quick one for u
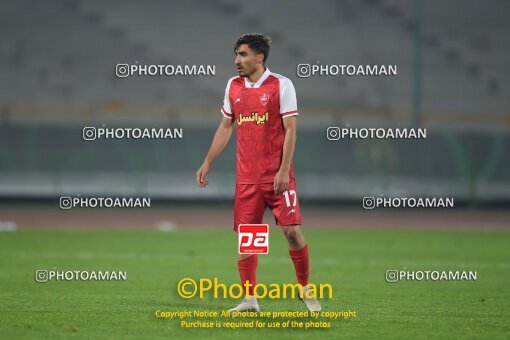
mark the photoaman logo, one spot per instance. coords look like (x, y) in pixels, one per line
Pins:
(253, 239)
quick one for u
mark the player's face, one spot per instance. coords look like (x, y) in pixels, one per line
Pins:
(247, 61)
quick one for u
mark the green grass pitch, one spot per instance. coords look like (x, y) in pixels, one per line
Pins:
(353, 261)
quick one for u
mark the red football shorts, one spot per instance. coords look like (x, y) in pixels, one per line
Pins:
(251, 201)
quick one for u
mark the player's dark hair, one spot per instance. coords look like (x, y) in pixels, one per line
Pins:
(257, 42)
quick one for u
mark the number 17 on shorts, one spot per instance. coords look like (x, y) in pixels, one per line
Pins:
(253, 239)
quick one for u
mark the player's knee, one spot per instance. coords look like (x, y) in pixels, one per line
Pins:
(292, 235)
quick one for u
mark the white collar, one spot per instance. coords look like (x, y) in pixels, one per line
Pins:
(259, 82)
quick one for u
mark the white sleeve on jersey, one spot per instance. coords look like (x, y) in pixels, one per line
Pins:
(288, 101)
(226, 109)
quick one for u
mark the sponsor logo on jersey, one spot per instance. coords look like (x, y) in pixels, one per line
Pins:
(254, 117)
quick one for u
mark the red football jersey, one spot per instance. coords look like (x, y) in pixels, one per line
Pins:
(258, 110)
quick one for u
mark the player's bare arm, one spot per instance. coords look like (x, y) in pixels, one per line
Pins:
(220, 140)
(281, 180)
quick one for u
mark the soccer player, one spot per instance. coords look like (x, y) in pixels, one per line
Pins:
(263, 106)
